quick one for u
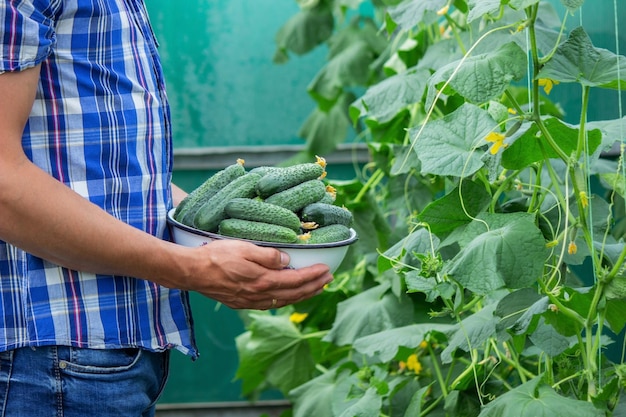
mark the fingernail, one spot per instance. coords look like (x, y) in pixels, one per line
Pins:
(284, 259)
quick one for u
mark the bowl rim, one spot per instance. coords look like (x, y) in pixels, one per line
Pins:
(175, 223)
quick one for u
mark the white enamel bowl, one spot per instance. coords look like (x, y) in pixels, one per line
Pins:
(301, 255)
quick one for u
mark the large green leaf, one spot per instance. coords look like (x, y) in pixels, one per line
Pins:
(537, 399)
(323, 131)
(408, 14)
(510, 252)
(522, 4)
(385, 99)
(273, 350)
(448, 146)
(456, 208)
(578, 61)
(549, 340)
(531, 147)
(512, 307)
(386, 344)
(482, 77)
(348, 68)
(479, 8)
(367, 405)
(367, 313)
(471, 333)
(304, 31)
(315, 397)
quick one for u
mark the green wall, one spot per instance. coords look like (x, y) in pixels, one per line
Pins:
(223, 87)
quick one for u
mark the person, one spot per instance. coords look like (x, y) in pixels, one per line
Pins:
(93, 294)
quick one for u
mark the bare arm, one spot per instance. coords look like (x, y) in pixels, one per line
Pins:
(46, 218)
(178, 194)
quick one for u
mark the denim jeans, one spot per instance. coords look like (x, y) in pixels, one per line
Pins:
(60, 381)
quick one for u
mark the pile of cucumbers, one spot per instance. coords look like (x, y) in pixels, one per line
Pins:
(269, 204)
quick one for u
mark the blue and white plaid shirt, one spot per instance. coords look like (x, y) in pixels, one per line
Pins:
(100, 125)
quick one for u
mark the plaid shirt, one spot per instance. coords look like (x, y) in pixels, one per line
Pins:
(100, 125)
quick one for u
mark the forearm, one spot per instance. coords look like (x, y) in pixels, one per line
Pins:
(49, 220)
(178, 194)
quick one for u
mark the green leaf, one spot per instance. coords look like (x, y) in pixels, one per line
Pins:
(530, 145)
(348, 68)
(616, 314)
(456, 208)
(315, 397)
(511, 308)
(572, 5)
(386, 344)
(323, 131)
(471, 333)
(273, 349)
(408, 14)
(417, 242)
(305, 30)
(551, 342)
(479, 8)
(368, 405)
(367, 313)
(510, 252)
(415, 406)
(482, 77)
(447, 146)
(536, 398)
(522, 4)
(578, 61)
(579, 300)
(384, 100)
(616, 182)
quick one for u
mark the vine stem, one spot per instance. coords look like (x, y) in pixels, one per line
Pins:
(371, 183)
(440, 379)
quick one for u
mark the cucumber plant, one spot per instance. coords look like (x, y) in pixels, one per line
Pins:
(489, 275)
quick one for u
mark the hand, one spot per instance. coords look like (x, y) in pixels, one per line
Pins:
(242, 275)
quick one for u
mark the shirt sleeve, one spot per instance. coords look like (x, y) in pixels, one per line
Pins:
(26, 33)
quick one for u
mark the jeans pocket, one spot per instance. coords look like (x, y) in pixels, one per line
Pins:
(98, 361)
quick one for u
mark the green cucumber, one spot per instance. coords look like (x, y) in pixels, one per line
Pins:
(259, 231)
(325, 214)
(211, 213)
(329, 196)
(329, 234)
(299, 196)
(280, 180)
(264, 170)
(261, 211)
(186, 210)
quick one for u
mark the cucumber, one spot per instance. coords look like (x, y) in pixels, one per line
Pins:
(211, 213)
(261, 211)
(325, 214)
(264, 170)
(329, 234)
(186, 210)
(276, 181)
(299, 196)
(330, 196)
(259, 231)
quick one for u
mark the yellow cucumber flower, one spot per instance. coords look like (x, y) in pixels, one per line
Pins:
(298, 318)
(413, 364)
(572, 248)
(584, 199)
(547, 84)
(498, 142)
